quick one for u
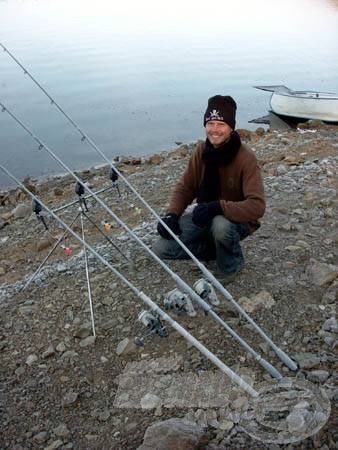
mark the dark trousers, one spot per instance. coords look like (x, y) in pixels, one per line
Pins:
(220, 240)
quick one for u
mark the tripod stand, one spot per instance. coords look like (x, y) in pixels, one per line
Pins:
(82, 214)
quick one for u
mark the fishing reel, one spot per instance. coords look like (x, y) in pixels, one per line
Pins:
(206, 291)
(37, 208)
(152, 321)
(179, 302)
(79, 190)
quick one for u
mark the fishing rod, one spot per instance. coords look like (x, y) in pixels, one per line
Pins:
(178, 280)
(84, 137)
(146, 299)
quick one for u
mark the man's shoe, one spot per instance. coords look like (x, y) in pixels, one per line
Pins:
(226, 278)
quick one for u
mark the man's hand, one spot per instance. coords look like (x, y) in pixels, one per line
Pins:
(171, 220)
(205, 212)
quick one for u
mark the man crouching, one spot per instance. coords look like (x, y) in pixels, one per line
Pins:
(224, 178)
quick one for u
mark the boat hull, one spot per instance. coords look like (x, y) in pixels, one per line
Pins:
(306, 106)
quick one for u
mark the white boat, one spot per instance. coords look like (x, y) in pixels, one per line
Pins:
(303, 104)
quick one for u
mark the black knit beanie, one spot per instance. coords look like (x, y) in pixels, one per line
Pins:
(222, 108)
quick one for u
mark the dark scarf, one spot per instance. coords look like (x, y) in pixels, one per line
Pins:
(213, 158)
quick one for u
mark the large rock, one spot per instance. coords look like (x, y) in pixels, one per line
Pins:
(174, 434)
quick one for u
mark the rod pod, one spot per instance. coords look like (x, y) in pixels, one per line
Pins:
(155, 308)
(207, 308)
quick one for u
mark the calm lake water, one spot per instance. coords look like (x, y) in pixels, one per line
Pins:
(136, 76)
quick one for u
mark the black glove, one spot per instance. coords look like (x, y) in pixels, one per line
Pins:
(205, 212)
(171, 220)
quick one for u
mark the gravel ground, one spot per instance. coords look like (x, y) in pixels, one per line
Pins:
(59, 386)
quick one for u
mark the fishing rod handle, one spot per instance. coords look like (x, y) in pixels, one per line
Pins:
(286, 359)
(271, 369)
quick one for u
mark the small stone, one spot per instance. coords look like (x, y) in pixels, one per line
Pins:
(244, 134)
(2, 271)
(319, 376)
(201, 418)
(260, 131)
(108, 325)
(31, 360)
(41, 437)
(49, 352)
(69, 354)
(174, 434)
(87, 341)
(240, 402)
(69, 398)
(158, 411)
(61, 347)
(27, 310)
(61, 431)
(330, 325)
(58, 192)
(225, 425)
(295, 421)
(150, 401)
(322, 274)
(61, 268)
(22, 210)
(104, 415)
(213, 423)
(303, 245)
(54, 445)
(307, 360)
(261, 300)
(91, 437)
(83, 331)
(155, 159)
(104, 360)
(20, 371)
(44, 243)
(125, 347)
(281, 169)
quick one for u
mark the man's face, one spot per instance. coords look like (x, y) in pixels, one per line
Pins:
(217, 132)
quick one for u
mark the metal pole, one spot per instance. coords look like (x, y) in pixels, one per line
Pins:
(273, 372)
(86, 197)
(223, 367)
(279, 352)
(87, 275)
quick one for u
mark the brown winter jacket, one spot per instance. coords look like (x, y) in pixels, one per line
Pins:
(242, 193)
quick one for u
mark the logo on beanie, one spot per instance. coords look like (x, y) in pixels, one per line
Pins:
(214, 115)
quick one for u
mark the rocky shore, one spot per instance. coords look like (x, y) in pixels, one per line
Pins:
(63, 388)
